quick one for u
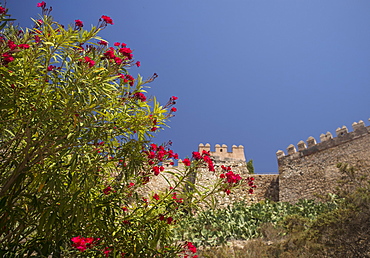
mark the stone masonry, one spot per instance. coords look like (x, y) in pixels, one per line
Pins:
(267, 185)
(312, 170)
(307, 173)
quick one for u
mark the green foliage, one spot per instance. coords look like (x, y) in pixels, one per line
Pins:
(75, 149)
(250, 166)
(340, 232)
(242, 222)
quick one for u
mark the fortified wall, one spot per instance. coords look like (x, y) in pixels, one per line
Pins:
(267, 185)
(305, 172)
(312, 170)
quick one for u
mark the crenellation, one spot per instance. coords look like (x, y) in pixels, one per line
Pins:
(221, 153)
(280, 154)
(325, 137)
(291, 149)
(359, 127)
(326, 141)
(313, 171)
(301, 146)
(311, 142)
(341, 131)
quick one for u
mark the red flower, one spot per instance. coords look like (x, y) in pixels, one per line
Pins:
(12, 45)
(7, 58)
(186, 162)
(107, 251)
(140, 96)
(107, 19)
(103, 43)
(173, 109)
(174, 98)
(89, 61)
(2, 10)
(82, 243)
(51, 67)
(196, 155)
(37, 39)
(107, 190)
(153, 129)
(24, 46)
(156, 170)
(138, 64)
(79, 23)
(117, 44)
(169, 220)
(156, 196)
(42, 4)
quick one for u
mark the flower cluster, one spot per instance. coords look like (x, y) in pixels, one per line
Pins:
(157, 154)
(79, 24)
(205, 157)
(170, 103)
(87, 60)
(190, 249)
(82, 243)
(230, 179)
(127, 79)
(2, 10)
(122, 55)
(8, 57)
(250, 182)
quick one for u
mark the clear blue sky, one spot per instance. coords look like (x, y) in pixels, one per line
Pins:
(261, 73)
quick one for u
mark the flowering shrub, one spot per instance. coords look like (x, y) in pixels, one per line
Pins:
(75, 149)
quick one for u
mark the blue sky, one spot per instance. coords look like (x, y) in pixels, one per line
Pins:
(260, 73)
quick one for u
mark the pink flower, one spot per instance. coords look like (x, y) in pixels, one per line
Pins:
(79, 23)
(42, 4)
(186, 162)
(107, 19)
(138, 64)
(153, 129)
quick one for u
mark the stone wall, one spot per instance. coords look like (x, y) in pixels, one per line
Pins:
(267, 185)
(312, 170)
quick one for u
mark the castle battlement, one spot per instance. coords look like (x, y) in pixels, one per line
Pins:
(221, 153)
(326, 141)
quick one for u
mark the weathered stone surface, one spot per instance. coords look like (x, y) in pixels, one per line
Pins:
(313, 171)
